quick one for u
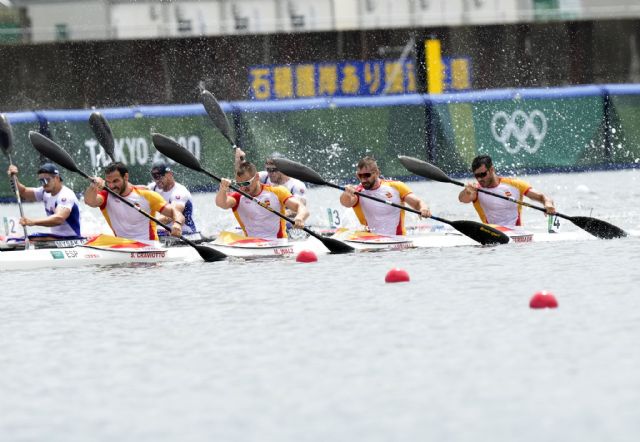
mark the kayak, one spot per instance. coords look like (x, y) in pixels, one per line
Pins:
(9, 245)
(84, 255)
(109, 250)
(437, 237)
(516, 236)
(240, 246)
(362, 240)
(102, 250)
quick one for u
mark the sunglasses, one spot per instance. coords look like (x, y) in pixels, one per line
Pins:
(271, 169)
(157, 176)
(481, 174)
(44, 181)
(364, 175)
(244, 183)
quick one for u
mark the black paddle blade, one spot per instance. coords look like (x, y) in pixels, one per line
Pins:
(336, 246)
(217, 115)
(209, 254)
(424, 169)
(484, 234)
(6, 135)
(101, 129)
(175, 151)
(298, 171)
(598, 228)
(52, 151)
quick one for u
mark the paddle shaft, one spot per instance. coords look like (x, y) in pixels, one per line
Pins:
(15, 186)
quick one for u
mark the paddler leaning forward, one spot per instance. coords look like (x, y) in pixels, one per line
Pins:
(125, 221)
(380, 218)
(256, 221)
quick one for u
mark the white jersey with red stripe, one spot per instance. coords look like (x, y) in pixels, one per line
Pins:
(125, 221)
(383, 218)
(492, 210)
(258, 222)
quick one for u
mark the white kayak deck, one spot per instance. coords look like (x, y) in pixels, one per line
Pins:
(88, 255)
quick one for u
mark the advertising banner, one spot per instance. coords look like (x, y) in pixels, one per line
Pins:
(350, 78)
(568, 129)
(521, 133)
(133, 147)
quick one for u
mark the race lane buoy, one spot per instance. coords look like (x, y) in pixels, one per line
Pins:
(397, 275)
(543, 299)
(306, 256)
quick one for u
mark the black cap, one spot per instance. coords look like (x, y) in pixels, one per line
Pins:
(160, 167)
(49, 168)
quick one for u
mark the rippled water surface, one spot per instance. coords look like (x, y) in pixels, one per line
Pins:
(277, 350)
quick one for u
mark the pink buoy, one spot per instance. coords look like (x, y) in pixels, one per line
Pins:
(543, 299)
(397, 275)
(306, 256)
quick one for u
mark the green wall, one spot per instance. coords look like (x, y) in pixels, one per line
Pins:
(527, 129)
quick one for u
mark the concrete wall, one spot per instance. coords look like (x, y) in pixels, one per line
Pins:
(110, 19)
(122, 73)
(89, 20)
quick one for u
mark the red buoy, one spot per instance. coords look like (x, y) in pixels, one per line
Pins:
(543, 299)
(306, 256)
(397, 275)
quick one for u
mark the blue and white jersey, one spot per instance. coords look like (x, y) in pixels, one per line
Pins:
(64, 198)
(179, 195)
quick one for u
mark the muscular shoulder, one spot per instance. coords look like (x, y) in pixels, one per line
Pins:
(519, 184)
(67, 194)
(280, 191)
(149, 195)
(297, 187)
(181, 192)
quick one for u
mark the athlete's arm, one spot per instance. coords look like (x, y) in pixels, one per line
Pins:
(469, 193)
(91, 196)
(177, 206)
(299, 191)
(418, 205)
(223, 200)
(178, 218)
(348, 198)
(300, 209)
(542, 198)
(26, 193)
(59, 216)
(238, 159)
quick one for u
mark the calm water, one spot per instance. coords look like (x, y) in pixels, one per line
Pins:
(277, 350)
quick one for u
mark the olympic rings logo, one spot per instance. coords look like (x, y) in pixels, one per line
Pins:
(520, 126)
